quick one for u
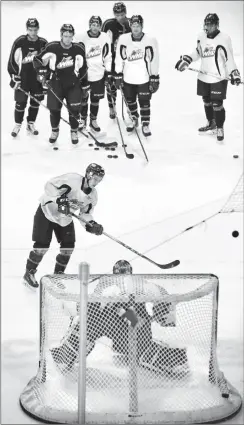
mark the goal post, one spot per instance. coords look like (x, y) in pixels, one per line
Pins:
(129, 349)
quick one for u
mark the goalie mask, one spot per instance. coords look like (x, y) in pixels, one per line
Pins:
(122, 267)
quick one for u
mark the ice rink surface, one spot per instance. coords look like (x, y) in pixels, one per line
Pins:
(188, 178)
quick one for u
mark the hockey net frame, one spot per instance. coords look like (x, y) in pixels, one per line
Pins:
(218, 401)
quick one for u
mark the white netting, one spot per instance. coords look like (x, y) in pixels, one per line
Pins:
(235, 201)
(158, 366)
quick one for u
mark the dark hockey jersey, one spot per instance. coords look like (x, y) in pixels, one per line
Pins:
(21, 56)
(67, 64)
(114, 29)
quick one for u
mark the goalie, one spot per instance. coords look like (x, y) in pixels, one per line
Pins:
(111, 320)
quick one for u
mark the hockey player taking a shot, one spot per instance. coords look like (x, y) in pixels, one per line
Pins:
(214, 48)
(112, 320)
(63, 194)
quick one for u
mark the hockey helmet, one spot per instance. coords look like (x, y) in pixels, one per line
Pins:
(122, 267)
(136, 19)
(211, 18)
(32, 23)
(95, 19)
(94, 169)
(119, 7)
(67, 28)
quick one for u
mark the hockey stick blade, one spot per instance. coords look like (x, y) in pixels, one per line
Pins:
(174, 263)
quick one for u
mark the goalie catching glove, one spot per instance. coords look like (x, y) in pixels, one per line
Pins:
(93, 227)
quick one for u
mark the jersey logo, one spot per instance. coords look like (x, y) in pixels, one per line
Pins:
(94, 51)
(208, 52)
(66, 62)
(30, 56)
(135, 55)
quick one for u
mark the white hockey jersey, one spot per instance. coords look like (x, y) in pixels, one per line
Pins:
(73, 183)
(137, 59)
(216, 56)
(98, 54)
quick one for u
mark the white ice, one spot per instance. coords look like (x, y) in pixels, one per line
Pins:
(187, 179)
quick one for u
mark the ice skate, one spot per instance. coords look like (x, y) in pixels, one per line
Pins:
(210, 128)
(94, 126)
(16, 130)
(220, 135)
(31, 128)
(74, 137)
(112, 114)
(29, 279)
(146, 130)
(133, 124)
(54, 136)
(82, 124)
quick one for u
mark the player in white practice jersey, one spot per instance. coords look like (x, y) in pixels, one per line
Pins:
(98, 56)
(136, 67)
(214, 48)
(63, 194)
(111, 320)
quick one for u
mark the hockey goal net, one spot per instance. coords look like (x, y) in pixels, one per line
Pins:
(129, 349)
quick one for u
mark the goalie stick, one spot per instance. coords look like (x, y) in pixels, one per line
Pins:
(174, 263)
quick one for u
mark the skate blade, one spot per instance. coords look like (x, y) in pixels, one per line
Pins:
(207, 133)
(29, 286)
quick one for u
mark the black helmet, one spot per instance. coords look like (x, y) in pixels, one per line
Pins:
(211, 18)
(32, 23)
(94, 169)
(119, 8)
(136, 19)
(95, 19)
(68, 28)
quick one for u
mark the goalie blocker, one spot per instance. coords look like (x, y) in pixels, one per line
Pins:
(112, 321)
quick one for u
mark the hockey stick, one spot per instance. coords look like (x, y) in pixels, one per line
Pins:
(129, 113)
(210, 74)
(161, 266)
(128, 155)
(40, 103)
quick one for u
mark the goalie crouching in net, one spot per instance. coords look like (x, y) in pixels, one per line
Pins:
(112, 321)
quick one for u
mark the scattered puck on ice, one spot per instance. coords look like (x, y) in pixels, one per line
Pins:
(112, 149)
(96, 149)
(235, 156)
(115, 156)
(107, 149)
(110, 156)
(235, 234)
(90, 144)
(55, 148)
(125, 146)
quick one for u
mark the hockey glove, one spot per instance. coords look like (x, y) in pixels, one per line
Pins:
(118, 80)
(108, 79)
(235, 77)
(183, 63)
(63, 205)
(85, 90)
(15, 82)
(95, 228)
(153, 83)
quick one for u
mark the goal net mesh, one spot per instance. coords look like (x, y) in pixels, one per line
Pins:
(150, 351)
(236, 200)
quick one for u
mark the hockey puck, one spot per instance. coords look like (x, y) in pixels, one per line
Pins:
(112, 149)
(107, 149)
(235, 156)
(110, 156)
(125, 146)
(96, 149)
(55, 148)
(90, 144)
(115, 156)
(235, 234)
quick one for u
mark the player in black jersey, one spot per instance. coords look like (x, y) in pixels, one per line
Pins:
(62, 67)
(114, 27)
(22, 73)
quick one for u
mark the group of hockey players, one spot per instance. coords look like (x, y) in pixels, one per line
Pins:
(119, 55)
